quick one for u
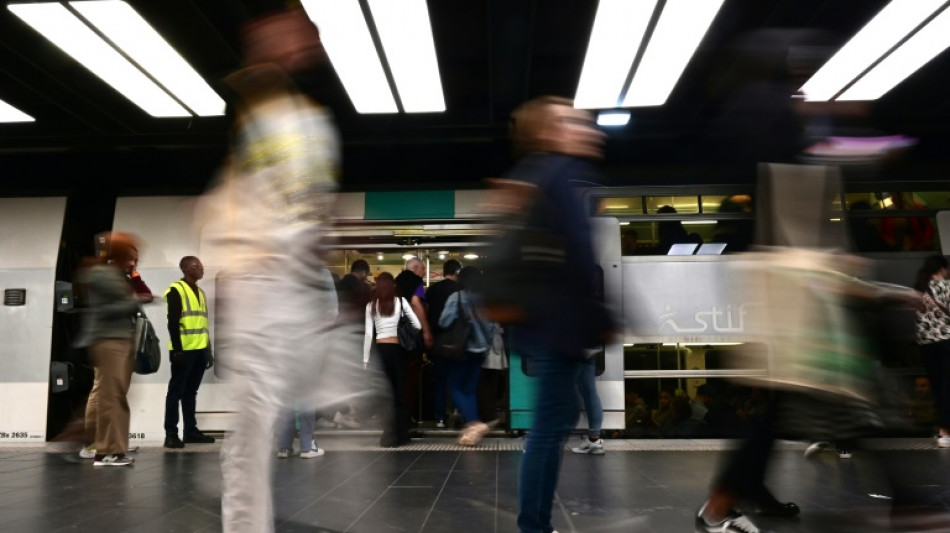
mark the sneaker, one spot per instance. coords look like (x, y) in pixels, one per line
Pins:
(199, 438)
(943, 442)
(734, 522)
(87, 452)
(310, 454)
(473, 433)
(440, 424)
(345, 421)
(844, 454)
(591, 448)
(113, 459)
(133, 449)
(172, 441)
(815, 448)
(283, 454)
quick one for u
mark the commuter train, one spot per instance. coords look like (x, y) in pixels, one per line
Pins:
(680, 312)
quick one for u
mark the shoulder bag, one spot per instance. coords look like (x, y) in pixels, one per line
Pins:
(145, 346)
(451, 343)
(410, 338)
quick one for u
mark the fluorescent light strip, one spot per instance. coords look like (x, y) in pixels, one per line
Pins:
(681, 27)
(346, 39)
(133, 34)
(926, 44)
(613, 118)
(63, 29)
(614, 41)
(8, 113)
(406, 35)
(885, 30)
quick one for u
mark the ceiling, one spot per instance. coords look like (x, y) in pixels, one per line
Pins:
(492, 55)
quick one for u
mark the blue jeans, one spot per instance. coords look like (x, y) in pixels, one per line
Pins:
(287, 428)
(555, 413)
(463, 384)
(592, 405)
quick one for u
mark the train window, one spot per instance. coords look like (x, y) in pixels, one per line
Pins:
(655, 238)
(679, 204)
(864, 201)
(894, 234)
(733, 203)
(619, 206)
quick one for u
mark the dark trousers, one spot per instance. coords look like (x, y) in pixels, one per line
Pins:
(183, 388)
(936, 358)
(395, 364)
(743, 470)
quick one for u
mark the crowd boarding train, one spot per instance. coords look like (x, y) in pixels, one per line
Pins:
(665, 253)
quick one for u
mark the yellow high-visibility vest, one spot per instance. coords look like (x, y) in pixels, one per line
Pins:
(193, 324)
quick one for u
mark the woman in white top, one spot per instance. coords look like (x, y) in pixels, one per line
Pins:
(382, 316)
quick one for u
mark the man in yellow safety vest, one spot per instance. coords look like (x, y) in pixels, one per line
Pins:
(190, 352)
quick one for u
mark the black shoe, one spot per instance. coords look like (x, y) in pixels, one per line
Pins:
(199, 438)
(777, 508)
(172, 441)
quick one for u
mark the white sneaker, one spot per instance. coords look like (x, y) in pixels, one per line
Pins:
(844, 454)
(814, 448)
(591, 448)
(310, 454)
(440, 424)
(87, 452)
(283, 454)
(943, 442)
(118, 459)
(345, 421)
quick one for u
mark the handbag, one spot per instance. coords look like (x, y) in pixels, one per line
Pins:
(145, 346)
(451, 343)
(410, 338)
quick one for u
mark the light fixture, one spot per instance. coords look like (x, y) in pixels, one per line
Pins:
(916, 52)
(379, 257)
(625, 223)
(886, 29)
(441, 257)
(701, 343)
(407, 256)
(406, 35)
(66, 31)
(613, 118)
(133, 35)
(470, 256)
(697, 222)
(614, 41)
(8, 113)
(681, 27)
(617, 206)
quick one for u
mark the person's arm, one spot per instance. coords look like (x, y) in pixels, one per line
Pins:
(450, 311)
(174, 319)
(368, 336)
(140, 288)
(114, 298)
(420, 321)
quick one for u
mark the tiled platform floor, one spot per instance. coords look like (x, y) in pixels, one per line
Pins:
(434, 486)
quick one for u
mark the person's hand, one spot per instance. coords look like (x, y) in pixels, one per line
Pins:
(209, 359)
(176, 357)
(427, 339)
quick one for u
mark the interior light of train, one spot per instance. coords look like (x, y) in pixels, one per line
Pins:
(916, 52)
(470, 256)
(615, 38)
(624, 223)
(835, 219)
(64, 29)
(406, 35)
(895, 21)
(407, 256)
(8, 113)
(441, 257)
(701, 343)
(697, 222)
(617, 206)
(346, 39)
(681, 27)
(127, 29)
(613, 118)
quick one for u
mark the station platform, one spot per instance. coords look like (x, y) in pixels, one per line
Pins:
(435, 486)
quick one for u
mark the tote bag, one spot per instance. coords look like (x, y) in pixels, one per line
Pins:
(146, 349)
(410, 338)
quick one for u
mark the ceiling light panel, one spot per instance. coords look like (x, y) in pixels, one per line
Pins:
(8, 113)
(916, 52)
(346, 39)
(63, 29)
(130, 32)
(682, 25)
(406, 35)
(613, 118)
(885, 30)
(614, 41)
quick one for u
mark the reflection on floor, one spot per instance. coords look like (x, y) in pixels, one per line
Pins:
(433, 486)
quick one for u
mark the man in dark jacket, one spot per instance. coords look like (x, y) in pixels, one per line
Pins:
(436, 296)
